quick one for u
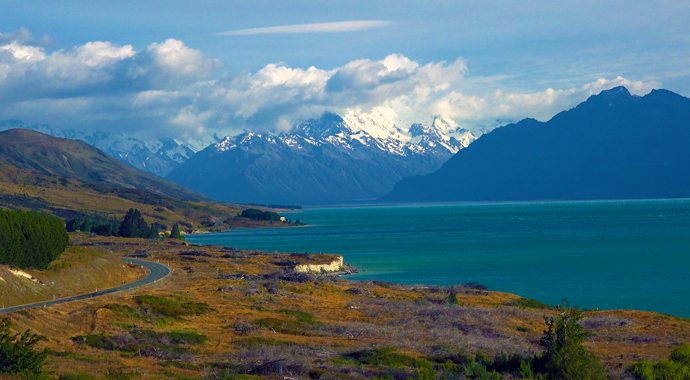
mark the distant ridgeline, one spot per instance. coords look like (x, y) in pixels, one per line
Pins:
(29, 240)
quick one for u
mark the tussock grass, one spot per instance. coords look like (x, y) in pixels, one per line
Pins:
(314, 324)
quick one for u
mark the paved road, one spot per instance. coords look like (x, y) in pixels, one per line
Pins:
(157, 272)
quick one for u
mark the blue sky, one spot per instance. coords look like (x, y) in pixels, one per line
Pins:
(470, 60)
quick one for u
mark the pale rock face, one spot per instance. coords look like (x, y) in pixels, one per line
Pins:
(334, 266)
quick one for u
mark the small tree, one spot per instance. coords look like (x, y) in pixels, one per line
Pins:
(565, 358)
(17, 354)
(175, 233)
(452, 297)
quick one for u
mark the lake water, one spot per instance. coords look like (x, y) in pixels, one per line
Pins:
(604, 254)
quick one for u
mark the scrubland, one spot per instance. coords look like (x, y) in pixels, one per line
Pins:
(228, 313)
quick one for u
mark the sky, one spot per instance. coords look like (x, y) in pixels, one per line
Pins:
(191, 68)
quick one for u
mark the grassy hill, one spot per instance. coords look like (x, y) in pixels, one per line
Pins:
(66, 276)
(69, 178)
(44, 154)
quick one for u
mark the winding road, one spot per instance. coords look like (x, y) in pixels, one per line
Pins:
(156, 272)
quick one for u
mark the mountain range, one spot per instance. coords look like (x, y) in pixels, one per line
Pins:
(327, 159)
(59, 157)
(612, 146)
(71, 179)
(332, 158)
(156, 156)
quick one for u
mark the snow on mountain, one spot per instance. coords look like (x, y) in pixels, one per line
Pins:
(156, 156)
(331, 158)
(376, 129)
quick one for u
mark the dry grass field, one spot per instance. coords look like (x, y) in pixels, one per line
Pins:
(227, 313)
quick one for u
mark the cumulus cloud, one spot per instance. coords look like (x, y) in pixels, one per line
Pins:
(170, 89)
(326, 27)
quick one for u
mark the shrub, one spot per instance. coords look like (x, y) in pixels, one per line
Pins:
(565, 357)
(526, 370)
(681, 354)
(76, 376)
(292, 327)
(642, 370)
(166, 307)
(668, 370)
(529, 304)
(383, 357)
(163, 345)
(678, 368)
(17, 354)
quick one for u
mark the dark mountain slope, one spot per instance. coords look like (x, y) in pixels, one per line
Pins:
(321, 160)
(612, 146)
(26, 149)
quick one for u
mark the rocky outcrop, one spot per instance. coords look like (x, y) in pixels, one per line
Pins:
(334, 266)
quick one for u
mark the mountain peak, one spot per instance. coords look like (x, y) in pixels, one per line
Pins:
(616, 92)
(328, 124)
(638, 151)
(443, 125)
(612, 97)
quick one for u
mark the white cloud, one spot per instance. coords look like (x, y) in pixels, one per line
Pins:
(170, 89)
(540, 105)
(326, 27)
(179, 59)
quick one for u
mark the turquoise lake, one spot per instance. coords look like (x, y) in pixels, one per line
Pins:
(604, 254)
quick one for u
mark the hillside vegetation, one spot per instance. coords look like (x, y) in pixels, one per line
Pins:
(68, 198)
(227, 313)
(30, 240)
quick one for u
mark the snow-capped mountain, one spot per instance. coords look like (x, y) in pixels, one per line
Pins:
(157, 156)
(330, 159)
(375, 130)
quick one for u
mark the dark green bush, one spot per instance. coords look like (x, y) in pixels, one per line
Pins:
(530, 304)
(144, 342)
(287, 326)
(678, 368)
(564, 356)
(30, 240)
(17, 354)
(383, 357)
(170, 307)
(681, 354)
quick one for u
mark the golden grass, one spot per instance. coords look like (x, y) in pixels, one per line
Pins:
(415, 320)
